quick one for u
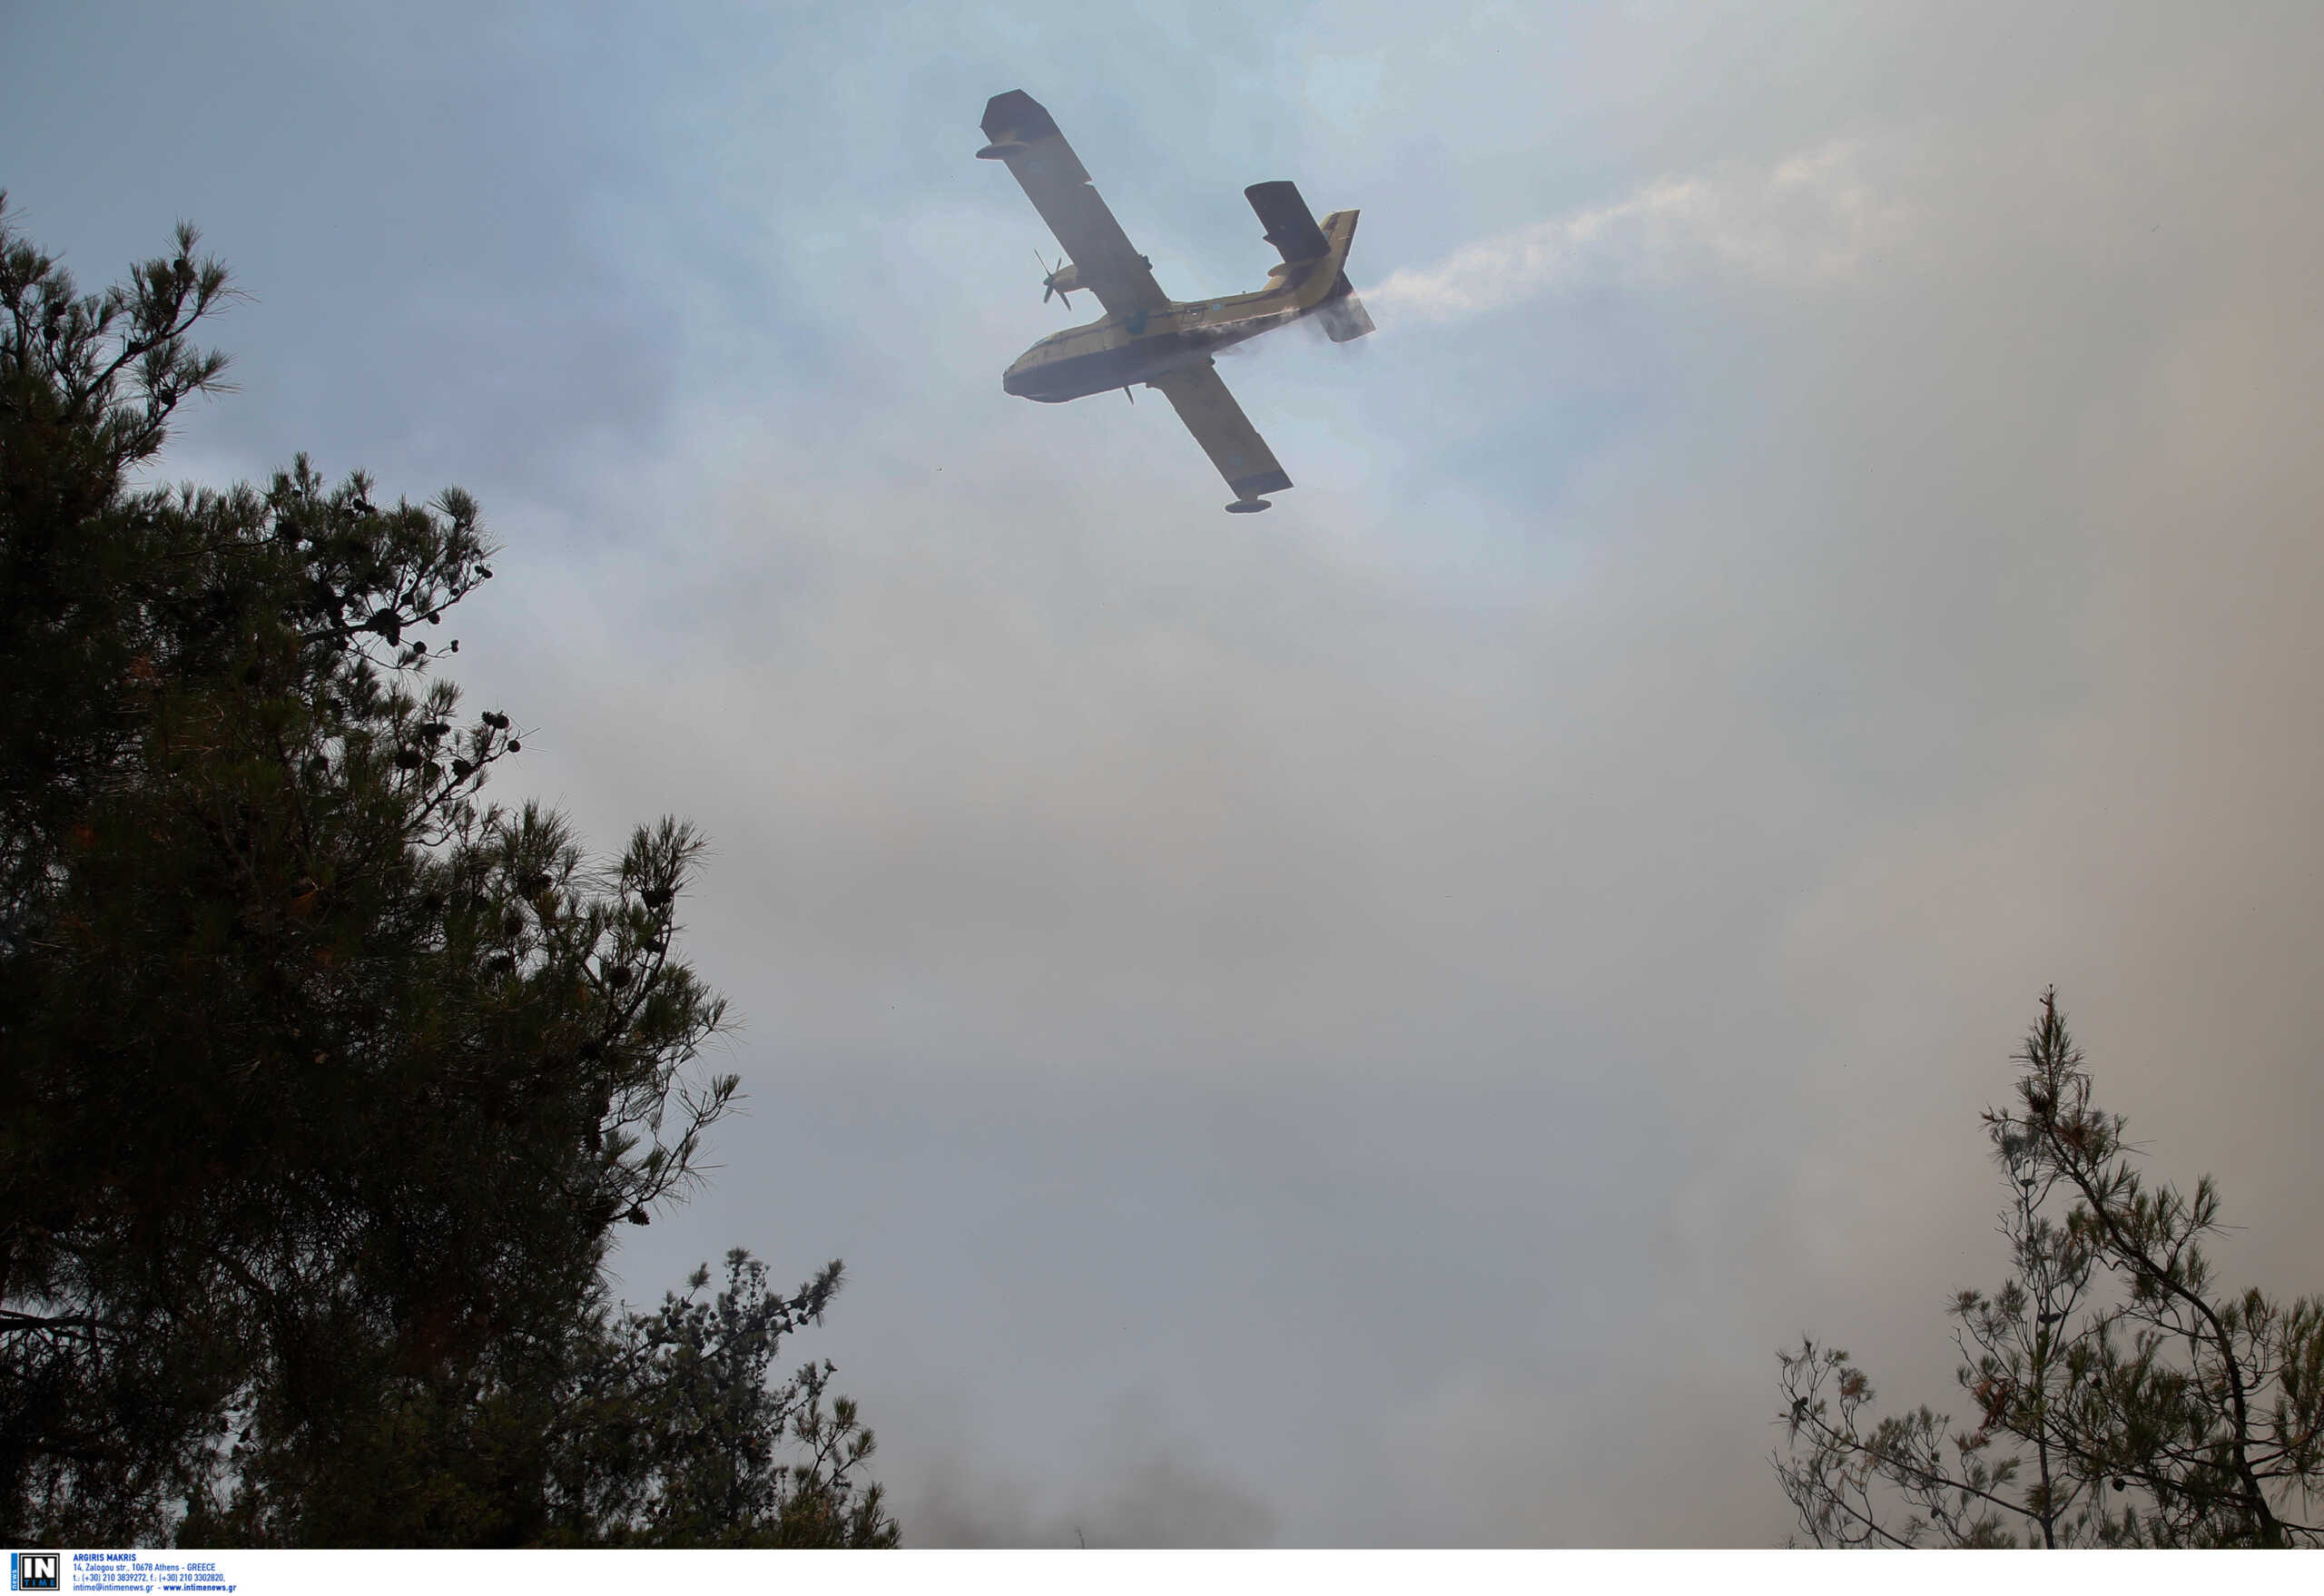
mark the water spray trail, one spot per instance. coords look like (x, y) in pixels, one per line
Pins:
(1815, 217)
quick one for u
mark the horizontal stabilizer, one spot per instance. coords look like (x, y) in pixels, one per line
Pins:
(1345, 318)
(1290, 226)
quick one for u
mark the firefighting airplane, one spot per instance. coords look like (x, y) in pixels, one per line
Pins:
(1147, 336)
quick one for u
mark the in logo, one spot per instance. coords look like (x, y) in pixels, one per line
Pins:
(35, 1570)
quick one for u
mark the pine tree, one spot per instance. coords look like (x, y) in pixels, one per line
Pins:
(322, 1080)
(2120, 1398)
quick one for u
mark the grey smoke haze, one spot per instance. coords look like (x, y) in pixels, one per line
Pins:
(1369, 1029)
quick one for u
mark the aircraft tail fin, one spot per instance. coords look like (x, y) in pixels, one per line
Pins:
(1344, 317)
(1313, 258)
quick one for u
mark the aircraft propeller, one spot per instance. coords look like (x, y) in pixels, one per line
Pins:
(1049, 281)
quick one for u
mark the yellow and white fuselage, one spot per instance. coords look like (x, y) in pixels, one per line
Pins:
(1120, 351)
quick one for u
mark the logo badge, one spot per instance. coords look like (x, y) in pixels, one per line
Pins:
(35, 1570)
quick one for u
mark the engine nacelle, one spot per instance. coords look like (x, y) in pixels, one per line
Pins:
(1065, 280)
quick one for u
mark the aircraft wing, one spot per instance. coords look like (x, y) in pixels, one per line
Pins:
(1226, 434)
(1025, 136)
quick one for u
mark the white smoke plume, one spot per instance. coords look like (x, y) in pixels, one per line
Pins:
(1812, 217)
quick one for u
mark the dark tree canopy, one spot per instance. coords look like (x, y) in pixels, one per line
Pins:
(322, 1081)
(2119, 1396)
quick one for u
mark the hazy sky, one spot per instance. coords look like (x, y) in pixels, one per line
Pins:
(1367, 1024)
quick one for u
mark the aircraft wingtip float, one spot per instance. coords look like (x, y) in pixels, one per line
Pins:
(1146, 336)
